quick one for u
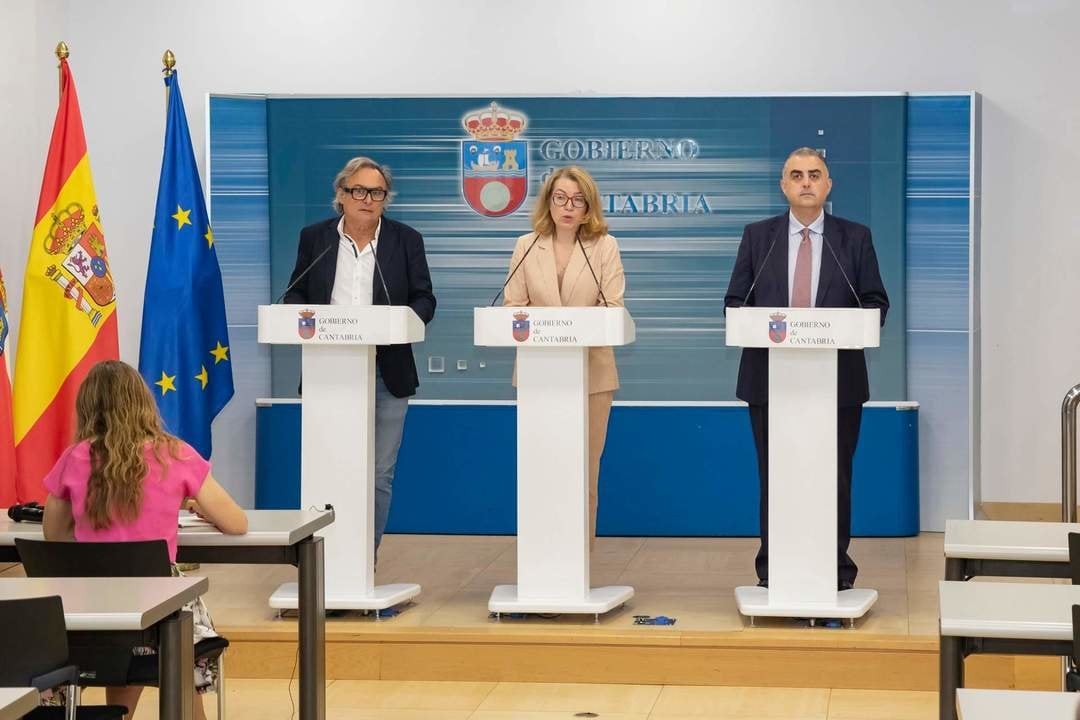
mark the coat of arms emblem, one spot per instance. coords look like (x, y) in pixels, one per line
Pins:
(83, 273)
(777, 327)
(305, 324)
(521, 326)
(494, 163)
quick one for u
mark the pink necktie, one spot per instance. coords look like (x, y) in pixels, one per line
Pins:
(800, 289)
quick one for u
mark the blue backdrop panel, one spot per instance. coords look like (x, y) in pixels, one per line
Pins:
(679, 179)
(942, 202)
(456, 470)
(669, 257)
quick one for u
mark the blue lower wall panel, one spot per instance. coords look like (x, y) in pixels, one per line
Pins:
(667, 471)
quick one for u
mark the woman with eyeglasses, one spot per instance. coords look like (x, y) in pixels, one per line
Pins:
(362, 257)
(570, 260)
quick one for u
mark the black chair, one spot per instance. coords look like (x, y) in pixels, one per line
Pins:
(148, 558)
(1072, 676)
(35, 651)
(1074, 557)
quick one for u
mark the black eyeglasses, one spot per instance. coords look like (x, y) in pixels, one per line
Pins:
(359, 192)
(561, 199)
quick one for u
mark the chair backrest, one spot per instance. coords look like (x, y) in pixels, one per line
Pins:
(1076, 632)
(1074, 557)
(33, 639)
(43, 558)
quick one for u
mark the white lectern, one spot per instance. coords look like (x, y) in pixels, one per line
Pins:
(337, 436)
(553, 452)
(802, 344)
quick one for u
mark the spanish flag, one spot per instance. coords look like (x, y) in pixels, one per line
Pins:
(8, 496)
(68, 320)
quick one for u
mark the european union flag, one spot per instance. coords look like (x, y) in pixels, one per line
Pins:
(184, 353)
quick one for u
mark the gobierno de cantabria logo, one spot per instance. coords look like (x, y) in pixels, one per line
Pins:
(494, 163)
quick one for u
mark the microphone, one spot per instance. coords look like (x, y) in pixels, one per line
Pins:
(378, 268)
(842, 272)
(306, 271)
(382, 280)
(595, 280)
(511, 275)
(30, 512)
(760, 269)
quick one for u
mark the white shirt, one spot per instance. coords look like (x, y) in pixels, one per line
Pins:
(795, 229)
(354, 279)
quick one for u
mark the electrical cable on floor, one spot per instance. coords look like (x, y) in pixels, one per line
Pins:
(292, 674)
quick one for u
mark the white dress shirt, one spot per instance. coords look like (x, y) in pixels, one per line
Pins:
(354, 279)
(795, 229)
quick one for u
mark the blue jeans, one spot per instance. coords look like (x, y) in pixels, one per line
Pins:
(389, 425)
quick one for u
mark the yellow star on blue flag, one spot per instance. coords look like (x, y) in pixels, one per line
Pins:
(182, 217)
(184, 307)
(166, 383)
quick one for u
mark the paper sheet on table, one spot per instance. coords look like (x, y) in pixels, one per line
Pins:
(190, 519)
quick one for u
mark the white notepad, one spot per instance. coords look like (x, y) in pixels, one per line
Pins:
(190, 519)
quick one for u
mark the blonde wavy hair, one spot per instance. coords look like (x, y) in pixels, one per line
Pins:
(116, 414)
(594, 225)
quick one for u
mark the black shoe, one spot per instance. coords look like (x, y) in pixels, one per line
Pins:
(844, 585)
(763, 583)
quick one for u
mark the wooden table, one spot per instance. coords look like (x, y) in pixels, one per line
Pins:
(16, 702)
(1000, 618)
(274, 537)
(1002, 548)
(1014, 704)
(147, 611)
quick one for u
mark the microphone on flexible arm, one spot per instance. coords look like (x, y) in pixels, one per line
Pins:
(511, 275)
(761, 269)
(378, 267)
(595, 280)
(842, 271)
(306, 271)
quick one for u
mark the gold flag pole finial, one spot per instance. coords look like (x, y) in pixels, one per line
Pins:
(62, 53)
(169, 61)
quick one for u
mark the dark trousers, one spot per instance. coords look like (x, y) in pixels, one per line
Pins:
(848, 420)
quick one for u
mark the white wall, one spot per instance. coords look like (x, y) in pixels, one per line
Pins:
(1021, 55)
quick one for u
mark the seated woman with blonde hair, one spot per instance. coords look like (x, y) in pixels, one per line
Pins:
(125, 479)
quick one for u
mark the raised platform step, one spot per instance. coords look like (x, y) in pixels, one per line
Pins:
(835, 658)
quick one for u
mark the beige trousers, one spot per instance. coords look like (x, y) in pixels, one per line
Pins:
(599, 409)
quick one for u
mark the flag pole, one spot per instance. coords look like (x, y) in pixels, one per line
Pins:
(169, 61)
(62, 53)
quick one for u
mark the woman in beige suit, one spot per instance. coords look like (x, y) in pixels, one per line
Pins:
(568, 227)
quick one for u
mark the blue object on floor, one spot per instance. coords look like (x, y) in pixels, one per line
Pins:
(650, 620)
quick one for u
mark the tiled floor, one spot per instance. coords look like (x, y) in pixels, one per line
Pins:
(390, 700)
(692, 579)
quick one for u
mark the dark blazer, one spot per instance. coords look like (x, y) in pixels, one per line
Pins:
(855, 252)
(400, 253)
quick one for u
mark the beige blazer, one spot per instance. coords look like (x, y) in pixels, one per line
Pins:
(536, 283)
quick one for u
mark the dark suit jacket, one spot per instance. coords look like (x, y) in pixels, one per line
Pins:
(400, 253)
(855, 252)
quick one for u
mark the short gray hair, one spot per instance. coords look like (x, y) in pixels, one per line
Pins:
(804, 151)
(354, 166)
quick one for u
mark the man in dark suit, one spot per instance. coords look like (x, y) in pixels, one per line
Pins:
(361, 257)
(806, 258)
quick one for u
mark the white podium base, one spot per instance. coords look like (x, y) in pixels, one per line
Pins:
(348, 596)
(754, 602)
(504, 599)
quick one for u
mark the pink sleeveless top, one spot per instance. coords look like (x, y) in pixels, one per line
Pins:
(164, 488)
